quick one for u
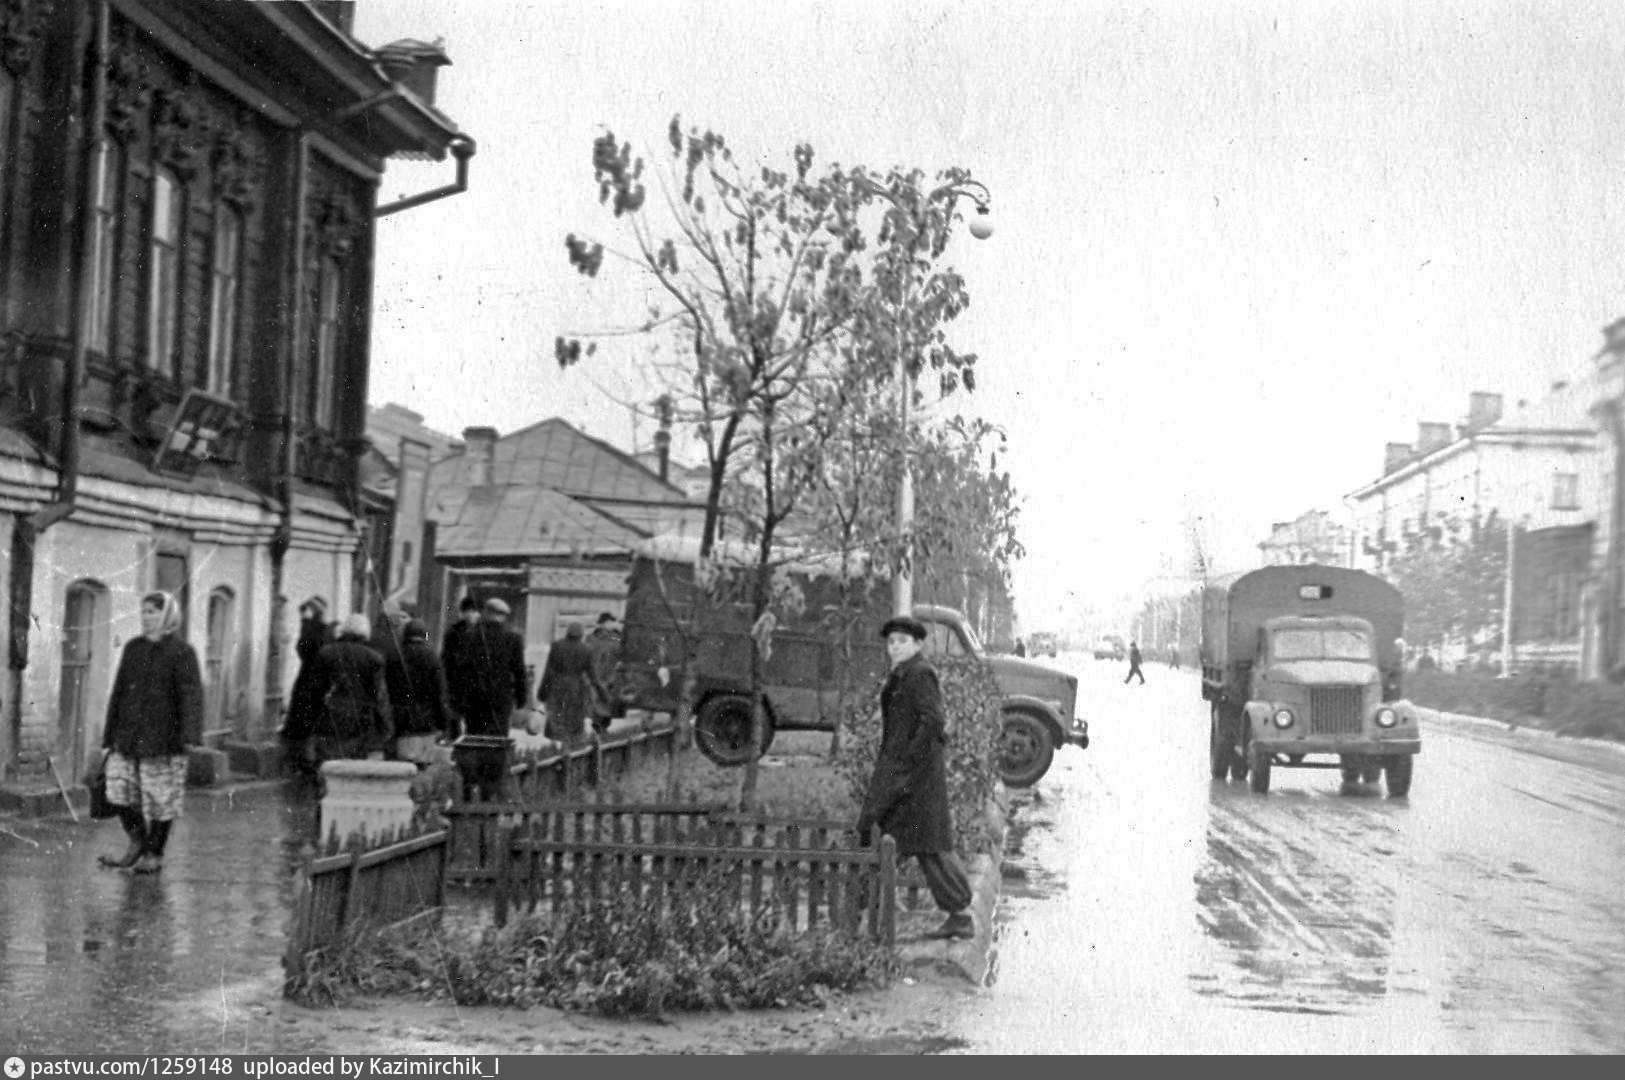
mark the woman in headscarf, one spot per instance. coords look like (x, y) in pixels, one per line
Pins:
(567, 686)
(304, 708)
(154, 717)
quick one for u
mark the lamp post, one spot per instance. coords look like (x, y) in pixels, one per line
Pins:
(981, 227)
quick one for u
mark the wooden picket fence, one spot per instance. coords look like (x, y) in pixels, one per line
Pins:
(806, 879)
(476, 829)
(363, 886)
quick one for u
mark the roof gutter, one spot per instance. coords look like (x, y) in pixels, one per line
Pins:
(462, 148)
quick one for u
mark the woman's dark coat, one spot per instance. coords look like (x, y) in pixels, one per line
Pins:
(304, 708)
(417, 690)
(156, 707)
(348, 679)
(908, 793)
(568, 680)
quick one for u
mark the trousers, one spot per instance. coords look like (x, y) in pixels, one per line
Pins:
(950, 888)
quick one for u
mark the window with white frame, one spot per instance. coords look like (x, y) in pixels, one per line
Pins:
(163, 271)
(1566, 491)
(325, 367)
(223, 288)
(109, 173)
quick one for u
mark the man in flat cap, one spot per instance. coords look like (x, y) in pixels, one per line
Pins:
(908, 793)
(489, 685)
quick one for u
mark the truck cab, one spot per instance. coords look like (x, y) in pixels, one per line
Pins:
(1302, 663)
(1317, 689)
(1039, 703)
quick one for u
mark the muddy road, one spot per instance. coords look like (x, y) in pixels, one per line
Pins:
(1149, 909)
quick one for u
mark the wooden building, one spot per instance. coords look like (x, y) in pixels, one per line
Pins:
(188, 194)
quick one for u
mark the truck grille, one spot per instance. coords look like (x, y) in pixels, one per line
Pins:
(1335, 710)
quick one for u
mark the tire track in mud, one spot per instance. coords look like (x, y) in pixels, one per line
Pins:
(1297, 896)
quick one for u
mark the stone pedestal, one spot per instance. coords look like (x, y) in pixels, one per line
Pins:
(367, 797)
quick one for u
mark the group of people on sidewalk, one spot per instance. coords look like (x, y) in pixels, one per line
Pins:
(353, 698)
(391, 696)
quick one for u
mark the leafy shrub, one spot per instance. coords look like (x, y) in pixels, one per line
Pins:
(971, 702)
(621, 956)
(1588, 709)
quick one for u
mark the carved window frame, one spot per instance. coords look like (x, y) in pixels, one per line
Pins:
(106, 201)
(225, 296)
(165, 270)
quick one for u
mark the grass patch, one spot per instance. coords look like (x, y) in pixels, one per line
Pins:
(621, 957)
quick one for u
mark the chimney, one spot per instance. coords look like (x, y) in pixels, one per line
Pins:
(413, 64)
(1394, 455)
(663, 451)
(1431, 437)
(479, 453)
(1483, 409)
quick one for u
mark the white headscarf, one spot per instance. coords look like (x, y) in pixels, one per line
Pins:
(171, 620)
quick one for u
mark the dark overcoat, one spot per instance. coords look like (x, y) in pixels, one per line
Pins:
(417, 690)
(568, 680)
(304, 708)
(348, 679)
(156, 707)
(908, 793)
(488, 678)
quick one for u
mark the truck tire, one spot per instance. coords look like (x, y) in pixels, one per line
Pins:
(1025, 749)
(1218, 750)
(1261, 774)
(1398, 775)
(1238, 758)
(722, 730)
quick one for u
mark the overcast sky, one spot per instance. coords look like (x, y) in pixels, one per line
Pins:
(1238, 247)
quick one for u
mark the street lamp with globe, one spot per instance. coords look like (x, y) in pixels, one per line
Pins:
(981, 227)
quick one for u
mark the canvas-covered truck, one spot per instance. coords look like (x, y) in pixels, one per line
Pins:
(1301, 664)
(811, 646)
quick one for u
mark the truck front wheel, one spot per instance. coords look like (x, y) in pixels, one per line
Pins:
(1261, 773)
(722, 730)
(1219, 748)
(1025, 750)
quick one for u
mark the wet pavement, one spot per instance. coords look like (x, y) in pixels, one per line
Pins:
(1149, 909)
(98, 960)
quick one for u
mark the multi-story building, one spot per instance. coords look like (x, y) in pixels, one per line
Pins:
(1312, 537)
(188, 194)
(1538, 472)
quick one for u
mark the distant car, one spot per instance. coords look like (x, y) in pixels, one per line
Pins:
(1107, 649)
(1041, 644)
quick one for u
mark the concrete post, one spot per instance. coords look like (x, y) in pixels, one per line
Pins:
(367, 797)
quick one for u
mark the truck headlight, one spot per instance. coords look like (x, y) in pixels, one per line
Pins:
(1283, 718)
(1386, 717)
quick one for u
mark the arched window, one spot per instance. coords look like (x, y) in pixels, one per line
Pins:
(86, 663)
(217, 661)
(163, 270)
(223, 289)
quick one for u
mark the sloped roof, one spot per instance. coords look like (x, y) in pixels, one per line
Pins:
(558, 455)
(1565, 408)
(531, 521)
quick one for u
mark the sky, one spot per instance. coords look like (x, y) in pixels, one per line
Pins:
(1237, 247)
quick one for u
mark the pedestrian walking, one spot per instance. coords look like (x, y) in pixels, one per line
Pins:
(349, 681)
(451, 642)
(299, 723)
(487, 684)
(1021, 647)
(154, 718)
(569, 681)
(907, 795)
(418, 704)
(1134, 664)
(605, 643)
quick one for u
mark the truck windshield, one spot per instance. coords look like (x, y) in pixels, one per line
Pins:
(1340, 644)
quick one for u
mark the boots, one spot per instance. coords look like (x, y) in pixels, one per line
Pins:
(961, 924)
(152, 858)
(135, 826)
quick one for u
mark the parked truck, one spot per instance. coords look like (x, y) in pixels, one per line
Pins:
(1302, 663)
(808, 651)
